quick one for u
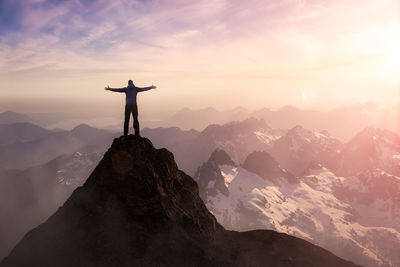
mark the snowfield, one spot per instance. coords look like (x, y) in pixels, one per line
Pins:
(352, 208)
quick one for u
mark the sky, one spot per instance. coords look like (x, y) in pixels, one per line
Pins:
(220, 53)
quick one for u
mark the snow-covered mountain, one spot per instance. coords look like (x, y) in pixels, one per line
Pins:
(299, 147)
(261, 163)
(371, 148)
(316, 206)
(342, 122)
(375, 195)
(238, 139)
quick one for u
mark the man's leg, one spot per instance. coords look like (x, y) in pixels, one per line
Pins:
(127, 117)
(135, 120)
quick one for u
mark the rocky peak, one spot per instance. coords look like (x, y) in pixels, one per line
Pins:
(266, 166)
(301, 133)
(236, 127)
(220, 157)
(136, 203)
(210, 173)
(369, 149)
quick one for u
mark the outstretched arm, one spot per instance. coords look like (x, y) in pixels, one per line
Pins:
(141, 89)
(120, 90)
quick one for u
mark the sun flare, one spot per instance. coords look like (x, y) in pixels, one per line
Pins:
(390, 51)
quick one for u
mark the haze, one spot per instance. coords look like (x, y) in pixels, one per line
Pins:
(311, 54)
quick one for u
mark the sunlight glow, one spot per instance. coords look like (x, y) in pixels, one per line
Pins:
(390, 52)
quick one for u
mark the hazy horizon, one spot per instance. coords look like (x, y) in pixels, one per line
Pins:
(43, 105)
(114, 107)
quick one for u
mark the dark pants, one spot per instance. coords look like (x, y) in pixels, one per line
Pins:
(131, 108)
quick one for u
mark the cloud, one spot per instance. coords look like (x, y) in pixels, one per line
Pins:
(94, 29)
(193, 40)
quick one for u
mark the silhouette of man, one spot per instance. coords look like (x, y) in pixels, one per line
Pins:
(131, 104)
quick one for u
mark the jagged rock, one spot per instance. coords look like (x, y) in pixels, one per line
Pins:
(208, 175)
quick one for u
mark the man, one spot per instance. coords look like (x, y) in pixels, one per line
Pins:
(131, 104)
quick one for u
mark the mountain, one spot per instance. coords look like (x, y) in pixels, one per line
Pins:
(369, 149)
(199, 119)
(355, 218)
(238, 139)
(172, 138)
(261, 163)
(212, 181)
(375, 194)
(20, 132)
(138, 209)
(289, 116)
(28, 197)
(9, 117)
(299, 147)
(26, 154)
(342, 122)
(191, 148)
(169, 137)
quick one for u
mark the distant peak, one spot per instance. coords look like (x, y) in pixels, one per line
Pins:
(240, 109)
(289, 108)
(263, 164)
(220, 157)
(9, 112)
(370, 133)
(250, 122)
(369, 129)
(82, 126)
(260, 157)
(209, 109)
(12, 117)
(298, 130)
(185, 109)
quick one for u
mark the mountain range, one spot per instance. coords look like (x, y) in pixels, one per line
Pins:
(351, 208)
(138, 209)
(342, 122)
(21, 132)
(10, 117)
(239, 138)
(359, 178)
(31, 145)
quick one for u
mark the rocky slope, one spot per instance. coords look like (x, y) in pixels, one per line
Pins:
(138, 209)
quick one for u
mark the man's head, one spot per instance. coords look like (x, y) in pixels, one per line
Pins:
(130, 82)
